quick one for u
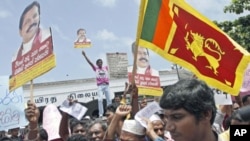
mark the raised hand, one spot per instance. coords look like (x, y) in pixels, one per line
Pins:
(32, 112)
(123, 110)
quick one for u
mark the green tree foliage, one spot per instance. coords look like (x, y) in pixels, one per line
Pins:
(238, 6)
(239, 29)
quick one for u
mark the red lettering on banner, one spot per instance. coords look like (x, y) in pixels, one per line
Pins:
(146, 80)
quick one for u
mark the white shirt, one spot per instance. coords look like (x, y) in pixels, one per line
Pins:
(28, 46)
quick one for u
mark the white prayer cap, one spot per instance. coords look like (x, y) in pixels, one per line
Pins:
(87, 117)
(134, 127)
(155, 117)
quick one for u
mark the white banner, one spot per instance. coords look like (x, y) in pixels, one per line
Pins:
(11, 106)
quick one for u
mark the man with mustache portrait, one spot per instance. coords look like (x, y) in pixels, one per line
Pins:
(82, 40)
(142, 60)
(32, 35)
(35, 55)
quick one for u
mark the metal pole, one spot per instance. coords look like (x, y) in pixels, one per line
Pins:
(177, 71)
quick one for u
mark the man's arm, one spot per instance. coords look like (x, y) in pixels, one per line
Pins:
(87, 59)
(121, 112)
(32, 114)
(63, 128)
(134, 102)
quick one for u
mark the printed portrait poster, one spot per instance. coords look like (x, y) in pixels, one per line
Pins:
(148, 83)
(34, 56)
(82, 41)
(146, 78)
(11, 106)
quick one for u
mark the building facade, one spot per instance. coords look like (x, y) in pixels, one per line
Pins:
(83, 90)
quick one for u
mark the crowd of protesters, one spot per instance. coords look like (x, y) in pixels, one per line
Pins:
(188, 113)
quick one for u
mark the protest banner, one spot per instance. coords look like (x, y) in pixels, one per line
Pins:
(35, 55)
(11, 106)
(82, 41)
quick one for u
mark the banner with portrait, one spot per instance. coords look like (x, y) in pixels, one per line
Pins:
(82, 41)
(35, 55)
(39, 60)
(148, 84)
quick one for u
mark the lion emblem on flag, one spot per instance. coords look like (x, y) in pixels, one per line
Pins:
(197, 48)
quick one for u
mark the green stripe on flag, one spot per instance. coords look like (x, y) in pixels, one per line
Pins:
(150, 19)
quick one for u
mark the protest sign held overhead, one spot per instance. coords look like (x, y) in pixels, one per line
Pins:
(35, 55)
(145, 77)
(180, 34)
(12, 106)
(82, 41)
(118, 63)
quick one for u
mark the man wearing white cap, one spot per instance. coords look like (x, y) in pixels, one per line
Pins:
(132, 131)
(158, 125)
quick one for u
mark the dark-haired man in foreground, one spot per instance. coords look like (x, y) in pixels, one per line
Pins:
(189, 110)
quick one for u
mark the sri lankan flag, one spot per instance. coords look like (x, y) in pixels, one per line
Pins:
(180, 34)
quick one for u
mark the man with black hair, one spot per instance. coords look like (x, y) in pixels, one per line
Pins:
(97, 130)
(78, 127)
(32, 114)
(117, 99)
(110, 111)
(189, 110)
(246, 100)
(102, 80)
(77, 137)
(14, 134)
(238, 117)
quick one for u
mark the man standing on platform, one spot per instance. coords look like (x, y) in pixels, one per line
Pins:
(102, 80)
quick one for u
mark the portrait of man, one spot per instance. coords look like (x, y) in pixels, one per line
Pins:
(82, 41)
(36, 47)
(146, 78)
(30, 31)
(142, 62)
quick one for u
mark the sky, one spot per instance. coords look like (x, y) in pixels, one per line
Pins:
(110, 24)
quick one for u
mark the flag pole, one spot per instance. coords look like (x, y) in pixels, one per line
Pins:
(177, 70)
(31, 91)
(134, 64)
(138, 34)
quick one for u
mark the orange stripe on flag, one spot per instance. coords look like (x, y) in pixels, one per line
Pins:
(163, 25)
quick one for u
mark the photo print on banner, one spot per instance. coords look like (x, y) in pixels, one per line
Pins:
(35, 55)
(82, 40)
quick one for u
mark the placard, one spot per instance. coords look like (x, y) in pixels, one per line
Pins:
(118, 63)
